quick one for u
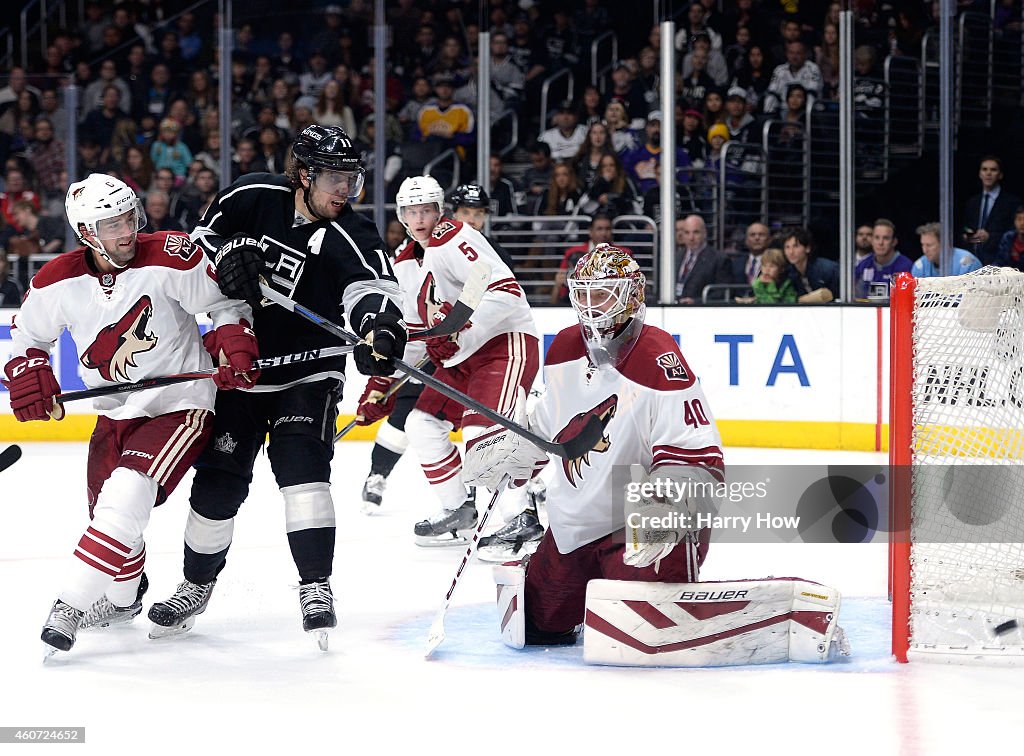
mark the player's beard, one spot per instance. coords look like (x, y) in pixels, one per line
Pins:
(123, 249)
(325, 205)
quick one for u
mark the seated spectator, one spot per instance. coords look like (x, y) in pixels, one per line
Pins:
(697, 26)
(619, 128)
(627, 91)
(158, 217)
(742, 125)
(862, 243)
(600, 232)
(169, 151)
(641, 163)
(696, 264)
(46, 156)
(868, 111)
(771, 285)
(445, 121)
(591, 107)
(165, 181)
(716, 66)
(11, 292)
(312, 82)
(451, 62)
(990, 213)
(885, 263)
(796, 70)
(814, 278)
(137, 170)
(755, 76)
(90, 157)
(394, 237)
(927, 265)
(246, 160)
(271, 149)
(505, 196)
(595, 146)
(35, 234)
(746, 263)
(1011, 246)
(562, 194)
(16, 190)
(789, 31)
(826, 55)
(612, 193)
(422, 94)
(697, 80)
(714, 106)
(197, 195)
(736, 53)
(159, 93)
(567, 136)
(100, 123)
(691, 137)
(332, 110)
(92, 98)
(537, 177)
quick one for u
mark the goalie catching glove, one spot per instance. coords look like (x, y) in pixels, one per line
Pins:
(233, 348)
(371, 408)
(240, 262)
(33, 385)
(498, 452)
(384, 341)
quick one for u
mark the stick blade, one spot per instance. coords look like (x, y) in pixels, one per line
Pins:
(9, 456)
(473, 291)
(436, 635)
(583, 441)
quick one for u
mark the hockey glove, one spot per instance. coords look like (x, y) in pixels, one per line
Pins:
(654, 525)
(385, 340)
(240, 263)
(234, 348)
(442, 313)
(441, 348)
(371, 408)
(498, 452)
(32, 384)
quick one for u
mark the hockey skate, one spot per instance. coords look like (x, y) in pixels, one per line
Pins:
(450, 527)
(178, 614)
(104, 614)
(317, 604)
(519, 537)
(61, 628)
(373, 492)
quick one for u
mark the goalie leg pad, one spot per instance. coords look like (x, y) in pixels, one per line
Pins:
(632, 623)
(511, 581)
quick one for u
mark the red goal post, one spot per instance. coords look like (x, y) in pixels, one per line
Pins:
(956, 441)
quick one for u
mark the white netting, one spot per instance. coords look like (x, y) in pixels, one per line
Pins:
(967, 513)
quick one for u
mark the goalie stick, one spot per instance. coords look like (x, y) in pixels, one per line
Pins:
(436, 635)
(168, 380)
(387, 395)
(571, 448)
(9, 456)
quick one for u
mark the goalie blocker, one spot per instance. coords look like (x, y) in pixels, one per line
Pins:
(642, 624)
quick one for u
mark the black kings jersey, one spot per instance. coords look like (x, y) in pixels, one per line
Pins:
(332, 267)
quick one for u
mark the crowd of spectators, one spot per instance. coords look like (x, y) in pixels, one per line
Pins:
(147, 77)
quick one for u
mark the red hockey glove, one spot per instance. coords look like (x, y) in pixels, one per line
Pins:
(33, 385)
(371, 408)
(234, 347)
(442, 313)
(441, 348)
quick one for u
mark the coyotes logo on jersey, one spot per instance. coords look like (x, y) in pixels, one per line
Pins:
(116, 346)
(573, 468)
(428, 306)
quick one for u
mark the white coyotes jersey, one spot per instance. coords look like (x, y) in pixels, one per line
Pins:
(130, 325)
(427, 283)
(654, 414)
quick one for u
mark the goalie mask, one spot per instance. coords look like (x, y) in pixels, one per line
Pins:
(103, 208)
(606, 289)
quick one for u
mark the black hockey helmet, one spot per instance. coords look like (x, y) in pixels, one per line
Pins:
(470, 195)
(327, 147)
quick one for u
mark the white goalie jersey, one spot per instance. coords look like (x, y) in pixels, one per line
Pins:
(131, 325)
(654, 414)
(432, 277)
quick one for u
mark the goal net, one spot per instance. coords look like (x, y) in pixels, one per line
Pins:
(957, 453)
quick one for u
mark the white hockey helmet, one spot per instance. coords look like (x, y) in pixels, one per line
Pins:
(606, 289)
(103, 207)
(419, 190)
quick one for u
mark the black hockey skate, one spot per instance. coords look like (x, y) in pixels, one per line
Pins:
(373, 492)
(316, 600)
(521, 536)
(178, 614)
(449, 528)
(104, 614)
(61, 627)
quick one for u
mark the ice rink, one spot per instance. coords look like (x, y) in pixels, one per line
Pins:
(246, 679)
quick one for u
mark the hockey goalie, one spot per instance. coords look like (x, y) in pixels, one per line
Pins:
(632, 579)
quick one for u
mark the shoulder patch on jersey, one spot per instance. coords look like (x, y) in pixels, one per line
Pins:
(61, 268)
(444, 231)
(166, 249)
(567, 346)
(657, 363)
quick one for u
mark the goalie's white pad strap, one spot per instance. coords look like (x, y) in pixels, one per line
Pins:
(634, 623)
(308, 506)
(511, 580)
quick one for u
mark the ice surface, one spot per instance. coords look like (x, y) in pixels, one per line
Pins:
(248, 680)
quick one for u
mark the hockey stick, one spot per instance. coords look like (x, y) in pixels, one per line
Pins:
(436, 635)
(571, 448)
(473, 291)
(9, 456)
(168, 380)
(387, 395)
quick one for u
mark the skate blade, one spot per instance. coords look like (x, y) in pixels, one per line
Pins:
(441, 541)
(49, 652)
(118, 621)
(160, 631)
(369, 508)
(322, 638)
(506, 552)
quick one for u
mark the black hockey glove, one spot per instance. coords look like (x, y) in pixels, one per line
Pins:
(240, 263)
(388, 343)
